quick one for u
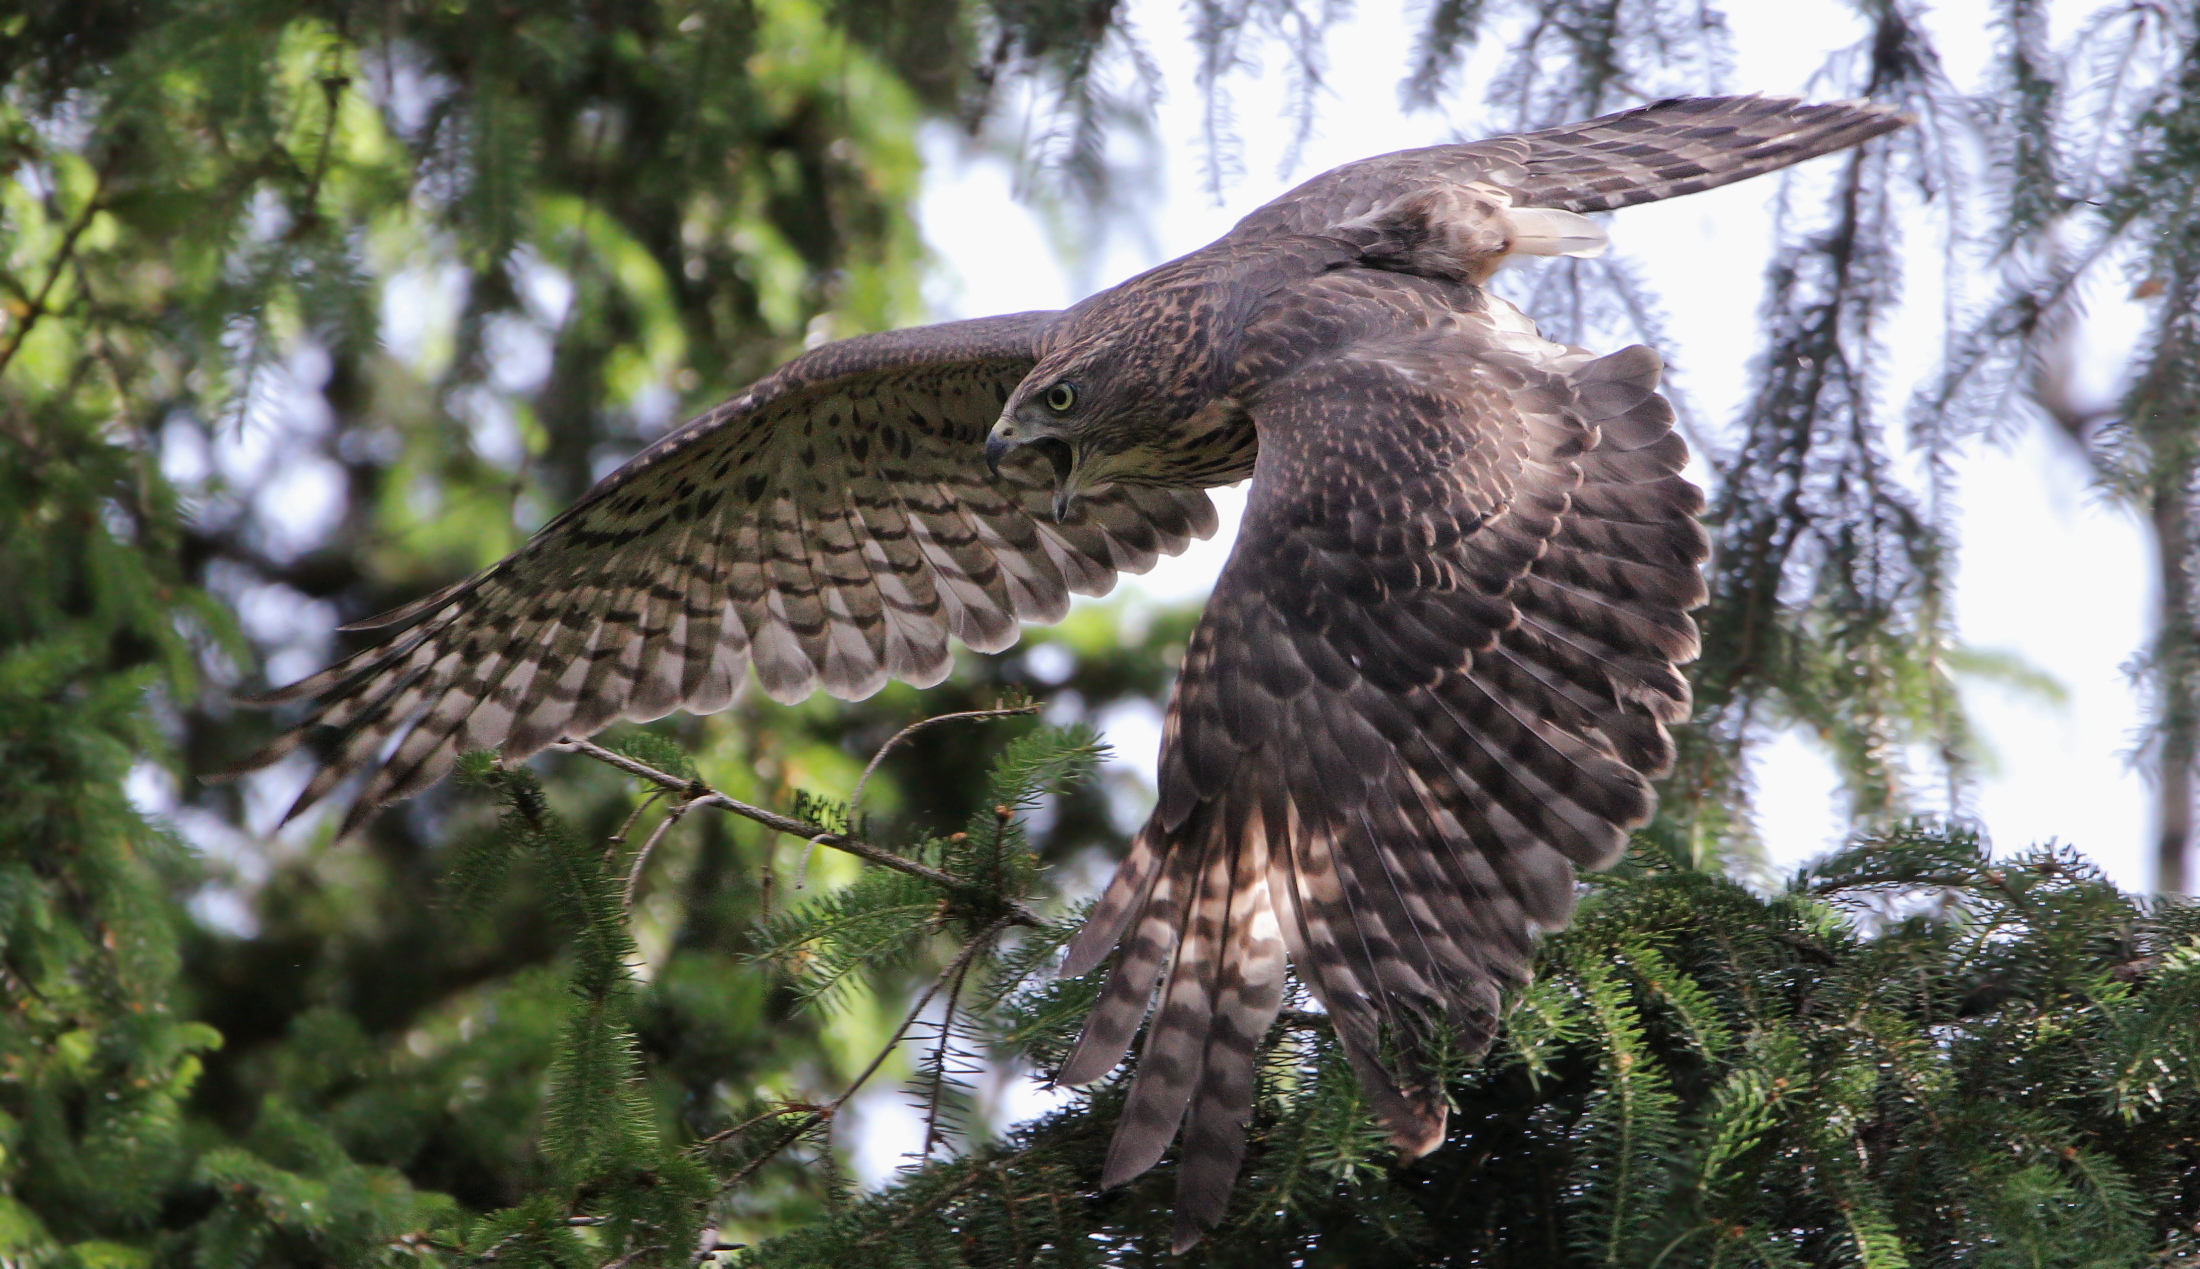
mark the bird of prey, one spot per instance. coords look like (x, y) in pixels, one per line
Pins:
(1433, 679)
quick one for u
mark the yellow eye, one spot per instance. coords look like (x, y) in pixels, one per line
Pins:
(1061, 397)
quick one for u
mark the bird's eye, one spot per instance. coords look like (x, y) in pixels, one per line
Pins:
(1061, 397)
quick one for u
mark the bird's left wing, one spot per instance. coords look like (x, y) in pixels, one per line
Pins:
(1432, 680)
(832, 525)
(1662, 150)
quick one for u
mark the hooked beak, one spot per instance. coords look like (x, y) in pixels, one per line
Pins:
(1058, 454)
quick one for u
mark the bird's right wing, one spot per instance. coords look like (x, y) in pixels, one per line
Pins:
(1431, 681)
(1662, 150)
(832, 526)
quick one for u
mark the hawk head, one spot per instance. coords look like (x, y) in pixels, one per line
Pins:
(1125, 382)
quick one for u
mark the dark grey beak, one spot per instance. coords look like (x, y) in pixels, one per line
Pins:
(996, 449)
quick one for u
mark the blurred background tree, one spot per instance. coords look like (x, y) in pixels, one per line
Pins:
(313, 307)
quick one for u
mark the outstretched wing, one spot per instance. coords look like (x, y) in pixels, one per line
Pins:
(1662, 150)
(833, 525)
(1432, 679)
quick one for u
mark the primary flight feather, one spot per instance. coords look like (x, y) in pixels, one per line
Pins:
(1434, 676)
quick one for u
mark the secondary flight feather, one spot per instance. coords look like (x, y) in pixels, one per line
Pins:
(1434, 677)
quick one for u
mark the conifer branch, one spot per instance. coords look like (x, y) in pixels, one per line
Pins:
(495, 1251)
(972, 1174)
(701, 794)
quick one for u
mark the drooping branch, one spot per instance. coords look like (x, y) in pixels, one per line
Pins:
(1829, 574)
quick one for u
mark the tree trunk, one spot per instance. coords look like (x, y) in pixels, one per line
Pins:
(2175, 655)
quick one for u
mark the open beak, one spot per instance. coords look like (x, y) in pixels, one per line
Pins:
(1058, 454)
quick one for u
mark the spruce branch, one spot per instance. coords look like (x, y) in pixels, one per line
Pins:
(699, 794)
(495, 1251)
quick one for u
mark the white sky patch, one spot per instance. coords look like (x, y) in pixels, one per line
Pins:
(883, 1130)
(546, 291)
(519, 351)
(420, 313)
(302, 501)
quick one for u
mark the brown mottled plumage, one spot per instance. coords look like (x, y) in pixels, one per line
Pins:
(1433, 679)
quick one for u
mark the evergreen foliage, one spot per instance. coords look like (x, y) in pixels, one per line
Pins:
(1913, 1054)
(99, 1055)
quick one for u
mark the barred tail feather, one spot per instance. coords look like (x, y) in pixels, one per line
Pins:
(1169, 1063)
(1211, 907)
(1118, 904)
(1246, 1000)
(1150, 944)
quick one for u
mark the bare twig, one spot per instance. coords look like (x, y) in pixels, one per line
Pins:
(708, 1244)
(332, 91)
(618, 839)
(954, 972)
(820, 1114)
(938, 1092)
(63, 256)
(495, 1251)
(728, 1134)
(701, 794)
(641, 857)
(855, 799)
